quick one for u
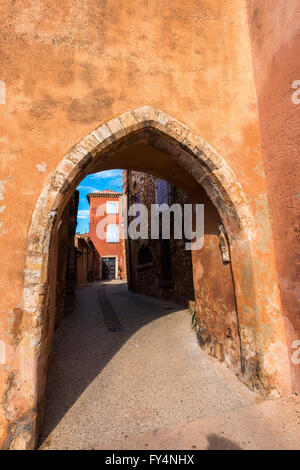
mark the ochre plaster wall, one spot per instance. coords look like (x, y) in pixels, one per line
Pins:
(216, 315)
(275, 37)
(69, 66)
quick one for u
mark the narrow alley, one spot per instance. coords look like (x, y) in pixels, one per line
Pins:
(127, 366)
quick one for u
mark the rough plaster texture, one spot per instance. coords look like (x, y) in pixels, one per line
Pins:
(216, 312)
(275, 37)
(68, 67)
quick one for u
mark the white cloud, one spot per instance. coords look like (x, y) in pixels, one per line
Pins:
(91, 189)
(108, 174)
(83, 214)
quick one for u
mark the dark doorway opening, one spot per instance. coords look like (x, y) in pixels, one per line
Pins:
(108, 268)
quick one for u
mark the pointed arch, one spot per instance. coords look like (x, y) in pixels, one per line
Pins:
(155, 128)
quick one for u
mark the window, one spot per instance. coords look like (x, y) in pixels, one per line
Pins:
(112, 233)
(112, 207)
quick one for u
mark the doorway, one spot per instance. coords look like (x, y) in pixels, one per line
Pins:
(108, 268)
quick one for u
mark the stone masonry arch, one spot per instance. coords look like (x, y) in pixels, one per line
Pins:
(198, 159)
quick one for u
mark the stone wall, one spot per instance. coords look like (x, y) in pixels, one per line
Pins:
(160, 267)
(66, 261)
(117, 70)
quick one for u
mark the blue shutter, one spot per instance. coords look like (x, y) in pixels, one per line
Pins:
(162, 192)
(138, 202)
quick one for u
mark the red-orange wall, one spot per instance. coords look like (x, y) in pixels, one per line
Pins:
(107, 249)
(275, 36)
(69, 66)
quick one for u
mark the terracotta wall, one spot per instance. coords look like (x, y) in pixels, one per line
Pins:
(275, 37)
(217, 326)
(81, 261)
(69, 66)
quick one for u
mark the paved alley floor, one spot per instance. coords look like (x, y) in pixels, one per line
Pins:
(128, 372)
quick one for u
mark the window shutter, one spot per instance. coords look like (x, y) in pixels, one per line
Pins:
(112, 233)
(112, 207)
(162, 192)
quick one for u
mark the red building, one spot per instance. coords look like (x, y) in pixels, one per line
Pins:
(106, 232)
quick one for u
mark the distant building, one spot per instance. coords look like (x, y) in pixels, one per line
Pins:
(106, 232)
(77, 261)
(88, 266)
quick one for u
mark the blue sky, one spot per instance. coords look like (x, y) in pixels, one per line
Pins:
(110, 179)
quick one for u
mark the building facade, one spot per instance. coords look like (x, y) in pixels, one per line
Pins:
(106, 232)
(88, 263)
(66, 261)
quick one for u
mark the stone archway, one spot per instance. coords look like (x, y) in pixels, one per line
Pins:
(94, 152)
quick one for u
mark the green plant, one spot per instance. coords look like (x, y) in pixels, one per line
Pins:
(194, 318)
(120, 272)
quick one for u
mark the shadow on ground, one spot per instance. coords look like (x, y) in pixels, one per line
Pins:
(216, 442)
(83, 346)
